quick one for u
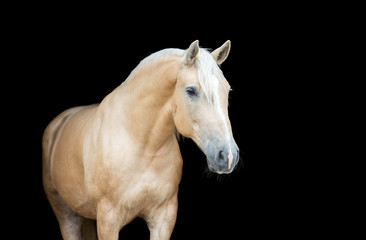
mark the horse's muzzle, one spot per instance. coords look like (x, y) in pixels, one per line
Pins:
(222, 160)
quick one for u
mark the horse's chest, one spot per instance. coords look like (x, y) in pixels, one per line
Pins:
(148, 191)
(136, 189)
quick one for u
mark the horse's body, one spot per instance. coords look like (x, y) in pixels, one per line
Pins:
(120, 159)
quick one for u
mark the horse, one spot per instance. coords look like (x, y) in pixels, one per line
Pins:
(106, 164)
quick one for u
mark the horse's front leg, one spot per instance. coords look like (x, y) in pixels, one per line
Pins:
(108, 221)
(161, 221)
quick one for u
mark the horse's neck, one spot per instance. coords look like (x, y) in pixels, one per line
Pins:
(142, 105)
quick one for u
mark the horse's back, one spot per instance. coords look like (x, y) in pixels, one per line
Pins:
(63, 171)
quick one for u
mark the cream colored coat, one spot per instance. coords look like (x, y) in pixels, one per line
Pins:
(120, 159)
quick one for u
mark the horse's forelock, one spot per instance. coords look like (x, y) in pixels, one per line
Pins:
(209, 74)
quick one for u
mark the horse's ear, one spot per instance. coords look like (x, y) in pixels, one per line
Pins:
(191, 53)
(222, 52)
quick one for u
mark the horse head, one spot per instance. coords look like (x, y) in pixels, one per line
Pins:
(201, 106)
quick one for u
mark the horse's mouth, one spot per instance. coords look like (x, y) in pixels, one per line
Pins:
(224, 167)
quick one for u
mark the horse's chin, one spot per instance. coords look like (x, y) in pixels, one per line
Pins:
(219, 172)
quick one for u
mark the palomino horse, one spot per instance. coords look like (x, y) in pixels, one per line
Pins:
(120, 159)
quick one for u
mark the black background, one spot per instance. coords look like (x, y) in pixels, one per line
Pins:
(65, 59)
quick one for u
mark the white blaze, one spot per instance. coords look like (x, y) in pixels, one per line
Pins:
(223, 119)
(230, 157)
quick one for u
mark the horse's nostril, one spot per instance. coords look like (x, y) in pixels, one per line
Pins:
(221, 154)
(221, 158)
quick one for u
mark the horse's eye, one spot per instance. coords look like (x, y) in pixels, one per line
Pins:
(191, 91)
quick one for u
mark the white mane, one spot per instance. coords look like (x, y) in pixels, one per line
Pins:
(164, 52)
(208, 72)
